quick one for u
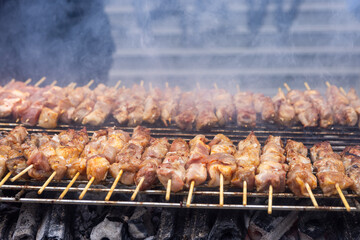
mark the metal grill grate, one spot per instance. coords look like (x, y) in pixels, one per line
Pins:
(203, 197)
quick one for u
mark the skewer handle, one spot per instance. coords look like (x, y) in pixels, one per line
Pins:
(312, 197)
(90, 83)
(117, 179)
(270, 199)
(287, 87)
(307, 86)
(86, 188)
(28, 81)
(343, 199)
(137, 189)
(168, 190)
(117, 84)
(191, 190)
(7, 176)
(69, 185)
(244, 193)
(53, 83)
(328, 84)
(40, 81)
(221, 200)
(46, 183)
(343, 91)
(22, 173)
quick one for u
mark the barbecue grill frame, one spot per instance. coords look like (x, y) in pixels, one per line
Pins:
(338, 136)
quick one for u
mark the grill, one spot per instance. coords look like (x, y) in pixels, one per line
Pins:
(203, 197)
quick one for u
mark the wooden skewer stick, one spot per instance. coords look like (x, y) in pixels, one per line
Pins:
(343, 91)
(328, 84)
(141, 83)
(53, 83)
(117, 179)
(27, 81)
(343, 199)
(7, 176)
(17, 120)
(313, 199)
(168, 190)
(221, 200)
(191, 190)
(40, 81)
(244, 193)
(215, 86)
(117, 84)
(137, 188)
(22, 173)
(69, 185)
(46, 183)
(287, 87)
(166, 84)
(307, 86)
(270, 199)
(90, 83)
(86, 188)
(11, 82)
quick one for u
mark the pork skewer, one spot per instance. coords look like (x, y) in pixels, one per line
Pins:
(187, 111)
(150, 159)
(247, 160)
(224, 105)
(271, 173)
(221, 163)
(322, 106)
(171, 173)
(265, 106)
(169, 104)
(300, 178)
(196, 173)
(246, 115)
(351, 160)
(152, 108)
(330, 171)
(285, 112)
(304, 110)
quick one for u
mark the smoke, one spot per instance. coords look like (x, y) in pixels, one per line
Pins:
(66, 40)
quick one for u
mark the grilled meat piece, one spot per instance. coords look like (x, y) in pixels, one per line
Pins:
(329, 168)
(187, 111)
(246, 115)
(306, 113)
(173, 166)
(265, 106)
(247, 160)
(169, 104)
(322, 106)
(97, 167)
(272, 170)
(285, 112)
(225, 109)
(152, 108)
(351, 160)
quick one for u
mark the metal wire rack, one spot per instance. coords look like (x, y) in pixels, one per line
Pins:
(203, 197)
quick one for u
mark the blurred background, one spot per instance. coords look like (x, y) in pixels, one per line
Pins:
(258, 44)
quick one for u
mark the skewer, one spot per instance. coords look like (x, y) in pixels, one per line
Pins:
(137, 189)
(46, 183)
(40, 81)
(191, 190)
(270, 199)
(22, 173)
(287, 87)
(117, 179)
(168, 190)
(17, 120)
(343, 91)
(307, 86)
(141, 83)
(27, 81)
(117, 84)
(244, 193)
(343, 199)
(11, 82)
(328, 84)
(215, 86)
(86, 188)
(69, 185)
(7, 176)
(53, 83)
(90, 83)
(221, 200)
(313, 199)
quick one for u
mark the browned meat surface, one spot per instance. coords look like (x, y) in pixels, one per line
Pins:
(322, 106)
(169, 104)
(187, 111)
(272, 170)
(135, 106)
(224, 106)
(329, 168)
(265, 106)
(351, 160)
(173, 166)
(300, 169)
(246, 114)
(152, 107)
(247, 160)
(206, 118)
(285, 112)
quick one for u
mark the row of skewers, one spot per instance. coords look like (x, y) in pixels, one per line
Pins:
(143, 160)
(204, 108)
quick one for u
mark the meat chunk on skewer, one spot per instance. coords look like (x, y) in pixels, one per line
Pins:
(225, 109)
(351, 160)
(246, 115)
(300, 168)
(196, 164)
(329, 168)
(169, 104)
(152, 108)
(205, 118)
(272, 170)
(247, 160)
(322, 106)
(221, 160)
(173, 166)
(265, 106)
(187, 111)
(285, 112)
